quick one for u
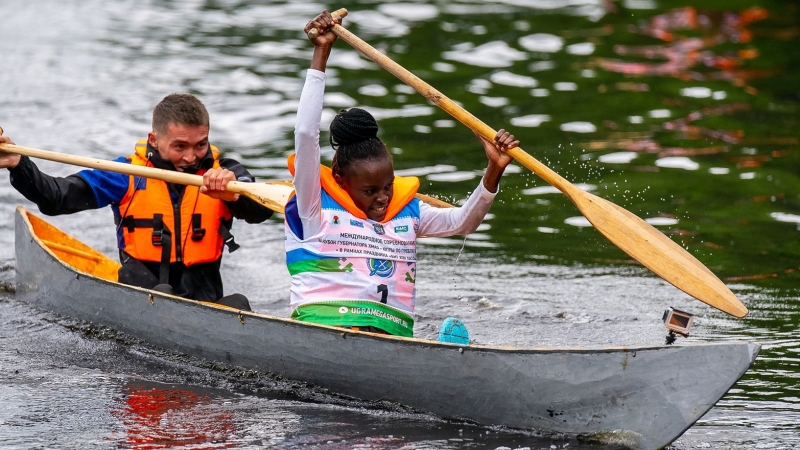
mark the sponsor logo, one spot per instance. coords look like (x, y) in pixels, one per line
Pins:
(336, 220)
(380, 267)
(342, 309)
(401, 229)
(356, 223)
(379, 228)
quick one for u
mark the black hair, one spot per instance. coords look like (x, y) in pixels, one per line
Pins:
(354, 137)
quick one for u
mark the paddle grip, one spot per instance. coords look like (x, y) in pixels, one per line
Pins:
(338, 14)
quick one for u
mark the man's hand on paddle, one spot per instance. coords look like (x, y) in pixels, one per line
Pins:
(498, 158)
(215, 183)
(8, 160)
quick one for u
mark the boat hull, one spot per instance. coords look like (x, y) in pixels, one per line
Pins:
(643, 397)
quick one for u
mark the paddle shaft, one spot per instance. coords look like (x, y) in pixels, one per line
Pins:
(270, 194)
(111, 166)
(628, 232)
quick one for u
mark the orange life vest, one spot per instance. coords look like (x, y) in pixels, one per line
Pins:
(405, 188)
(148, 214)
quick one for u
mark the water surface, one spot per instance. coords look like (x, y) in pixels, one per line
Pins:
(684, 113)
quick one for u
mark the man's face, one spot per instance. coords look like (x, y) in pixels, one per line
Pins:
(182, 145)
(370, 184)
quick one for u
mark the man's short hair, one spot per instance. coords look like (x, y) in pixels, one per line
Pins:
(180, 109)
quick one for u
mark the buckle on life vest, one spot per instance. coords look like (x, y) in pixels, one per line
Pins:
(158, 230)
(198, 233)
(157, 238)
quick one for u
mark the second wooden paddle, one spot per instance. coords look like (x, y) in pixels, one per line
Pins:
(631, 234)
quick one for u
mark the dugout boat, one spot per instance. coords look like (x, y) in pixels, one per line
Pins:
(641, 397)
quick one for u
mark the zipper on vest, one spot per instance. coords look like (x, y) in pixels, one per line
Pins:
(177, 215)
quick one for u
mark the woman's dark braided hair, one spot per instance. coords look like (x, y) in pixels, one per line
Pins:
(354, 137)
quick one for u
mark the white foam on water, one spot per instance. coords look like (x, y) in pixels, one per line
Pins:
(547, 230)
(444, 67)
(579, 127)
(373, 90)
(409, 11)
(785, 217)
(677, 162)
(747, 175)
(639, 4)
(696, 92)
(635, 119)
(422, 171)
(719, 170)
(377, 23)
(541, 190)
(531, 120)
(663, 221)
(452, 177)
(618, 157)
(490, 54)
(578, 221)
(565, 86)
(659, 113)
(719, 95)
(583, 48)
(405, 111)
(444, 123)
(588, 73)
(507, 78)
(479, 86)
(339, 99)
(422, 129)
(494, 102)
(541, 66)
(350, 60)
(541, 42)
(403, 89)
(539, 92)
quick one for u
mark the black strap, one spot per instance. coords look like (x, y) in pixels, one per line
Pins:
(198, 233)
(225, 233)
(162, 237)
(130, 223)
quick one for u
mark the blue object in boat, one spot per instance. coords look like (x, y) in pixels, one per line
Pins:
(453, 331)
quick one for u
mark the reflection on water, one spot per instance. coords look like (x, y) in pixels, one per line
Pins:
(158, 416)
(684, 113)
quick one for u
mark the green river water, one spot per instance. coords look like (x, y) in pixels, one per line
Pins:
(684, 113)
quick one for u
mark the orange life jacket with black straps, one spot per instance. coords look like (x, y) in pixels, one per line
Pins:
(195, 232)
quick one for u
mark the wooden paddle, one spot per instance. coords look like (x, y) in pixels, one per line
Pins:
(272, 194)
(631, 234)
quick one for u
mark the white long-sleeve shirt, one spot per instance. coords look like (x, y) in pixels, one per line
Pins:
(439, 222)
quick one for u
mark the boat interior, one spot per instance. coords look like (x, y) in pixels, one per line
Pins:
(70, 250)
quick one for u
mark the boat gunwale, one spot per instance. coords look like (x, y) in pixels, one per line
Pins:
(241, 315)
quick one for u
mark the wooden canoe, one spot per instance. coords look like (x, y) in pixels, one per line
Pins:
(645, 397)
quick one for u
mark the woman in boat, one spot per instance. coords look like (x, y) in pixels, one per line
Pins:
(351, 230)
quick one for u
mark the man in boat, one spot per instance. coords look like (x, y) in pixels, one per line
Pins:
(170, 236)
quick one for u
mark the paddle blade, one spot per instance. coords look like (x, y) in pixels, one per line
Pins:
(657, 252)
(272, 194)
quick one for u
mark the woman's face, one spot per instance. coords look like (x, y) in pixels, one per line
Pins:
(370, 183)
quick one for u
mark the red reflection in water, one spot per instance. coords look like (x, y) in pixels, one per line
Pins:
(160, 417)
(684, 55)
